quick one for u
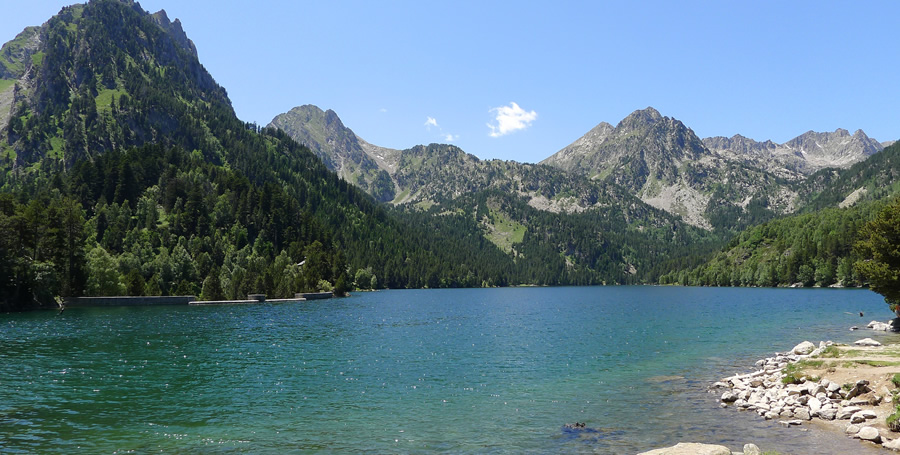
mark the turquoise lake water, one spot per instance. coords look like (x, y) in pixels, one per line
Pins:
(416, 371)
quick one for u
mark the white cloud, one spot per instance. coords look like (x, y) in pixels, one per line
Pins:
(450, 137)
(510, 118)
(430, 121)
(382, 110)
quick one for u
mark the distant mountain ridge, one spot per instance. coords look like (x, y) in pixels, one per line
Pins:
(711, 183)
(666, 165)
(434, 173)
(803, 155)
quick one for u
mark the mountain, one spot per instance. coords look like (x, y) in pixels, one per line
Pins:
(123, 169)
(872, 179)
(814, 247)
(801, 156)
(557, 226)
(340, 149)
(666, 165)
(425, 175)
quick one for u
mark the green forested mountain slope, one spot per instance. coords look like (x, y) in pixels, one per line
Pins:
(117, 129)
(814, 247)
(875, 178)
(610, 246)
(337, 146)
(809, 249)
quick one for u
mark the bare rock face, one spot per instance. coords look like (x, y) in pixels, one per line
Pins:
(175, 30)
(804, 155)
(666, 165)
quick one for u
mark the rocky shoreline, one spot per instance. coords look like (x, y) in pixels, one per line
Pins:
(839, 385)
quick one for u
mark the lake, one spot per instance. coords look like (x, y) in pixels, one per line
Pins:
(414, 371)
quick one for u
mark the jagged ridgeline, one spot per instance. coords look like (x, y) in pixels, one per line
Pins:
(559, 227)
(125, 170)
(815, 247)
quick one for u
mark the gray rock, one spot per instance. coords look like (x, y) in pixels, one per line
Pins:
(814, 404)
(828, 413)
(847, 411)
(852, 429)
(803, 348)
(881, 326)
(788, 423)
(867, 414)
(866, 342)
(892, 445)
(802, 414)
(729, 397)
(751, 449)
(857, 418)
(690, 448)
(869, 434)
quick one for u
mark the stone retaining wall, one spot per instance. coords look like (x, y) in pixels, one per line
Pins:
(128, 301)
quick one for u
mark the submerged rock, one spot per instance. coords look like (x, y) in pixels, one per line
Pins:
(690, 448)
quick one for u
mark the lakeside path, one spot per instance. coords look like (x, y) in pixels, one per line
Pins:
(846, 389)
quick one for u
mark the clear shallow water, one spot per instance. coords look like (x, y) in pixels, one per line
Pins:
(471, 371)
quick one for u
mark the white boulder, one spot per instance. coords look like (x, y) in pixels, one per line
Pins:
(866, 342)
(690, 448)
(869, 434)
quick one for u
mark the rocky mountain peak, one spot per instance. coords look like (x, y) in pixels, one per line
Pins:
(800, 156)
(175, 30)
(641, 117)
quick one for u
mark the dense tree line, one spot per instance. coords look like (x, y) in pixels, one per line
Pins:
(811, 249)
(596, 246)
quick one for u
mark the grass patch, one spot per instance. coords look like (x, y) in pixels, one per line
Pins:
(398, 198)
(831, 352)
(794, 373)
(504, 232)
(425, 204)
(105, 97)
(56, 144)
(37, 58)
(5, 84)
(861, 353)
(877, 363)
(893, 420)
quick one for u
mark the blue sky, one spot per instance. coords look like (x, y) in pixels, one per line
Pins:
(520, 80)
